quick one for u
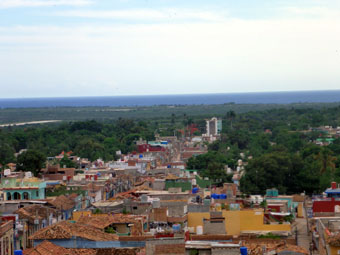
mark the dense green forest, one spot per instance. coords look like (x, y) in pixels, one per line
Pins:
(160, 112)
(284, 156)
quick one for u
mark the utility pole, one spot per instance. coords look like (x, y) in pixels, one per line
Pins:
(296, 236)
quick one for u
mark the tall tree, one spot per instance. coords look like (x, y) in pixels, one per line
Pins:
(231, 116)
(31, 160)
(6, 154)
(327, 161)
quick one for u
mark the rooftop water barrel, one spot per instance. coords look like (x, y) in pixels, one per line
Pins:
(176, 227)
(199, 230)
(218, 207)
(18, 252)
(223, 196)
(156, 203)
(144, 198)
(195, 190)
(214, 196)
(193, 182)
(243, 250)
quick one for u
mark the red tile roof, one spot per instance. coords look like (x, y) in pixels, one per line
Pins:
(67, 230)
(47, 248)
(33, 212)
(63, 203)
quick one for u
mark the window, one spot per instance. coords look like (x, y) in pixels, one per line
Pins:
(37, 193)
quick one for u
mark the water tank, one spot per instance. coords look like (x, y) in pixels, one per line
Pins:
(199, 230)
(223, 196)
(243, 250)
(218, 207)
(195, 190)
(144, 198)
(216, 196)
(18, 252)
(156, 203)
(176, 227)
(140, 155)
(193, 182)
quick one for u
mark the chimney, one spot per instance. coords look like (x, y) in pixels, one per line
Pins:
(333, 185)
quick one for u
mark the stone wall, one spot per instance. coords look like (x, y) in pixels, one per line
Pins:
(198, 208)
(165, 246)
(214, 227)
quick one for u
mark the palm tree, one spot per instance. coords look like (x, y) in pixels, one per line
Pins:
(326, 158)
(231, 116)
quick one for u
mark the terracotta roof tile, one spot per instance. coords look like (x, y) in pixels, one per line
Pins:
(104, 221)
(62, 202)
(33, 212)
(66, 230)
(47, 248)
(279, 246)
(334, 240)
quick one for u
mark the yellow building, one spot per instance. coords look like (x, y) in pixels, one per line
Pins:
(300, 210)
(238, 222)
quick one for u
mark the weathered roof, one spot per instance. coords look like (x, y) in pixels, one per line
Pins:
(33, 212)
(104, 221)
(171, 177)
(47, 248)
(334, 240)
(276, 247)
(67, 230)
(62, 202)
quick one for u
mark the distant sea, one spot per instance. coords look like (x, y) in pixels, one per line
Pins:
(237, 98)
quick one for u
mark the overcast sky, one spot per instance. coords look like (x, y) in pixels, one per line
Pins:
(52, 48)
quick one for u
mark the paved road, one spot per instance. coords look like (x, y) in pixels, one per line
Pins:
(304, 239)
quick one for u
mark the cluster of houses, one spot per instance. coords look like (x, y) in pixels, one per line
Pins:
(146, 202)
(327, 134)
(323, 213)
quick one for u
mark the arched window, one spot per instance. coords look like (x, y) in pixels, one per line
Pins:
(25, 196)
(9, 196)
(16, 196)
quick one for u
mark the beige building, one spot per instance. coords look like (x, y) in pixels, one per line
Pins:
(6, 238)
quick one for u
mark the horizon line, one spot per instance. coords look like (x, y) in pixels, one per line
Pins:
(184, 94)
